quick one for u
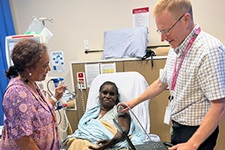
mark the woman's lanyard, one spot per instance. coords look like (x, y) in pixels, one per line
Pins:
(177, 70)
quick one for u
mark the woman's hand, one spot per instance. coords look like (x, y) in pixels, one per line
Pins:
(59, 90)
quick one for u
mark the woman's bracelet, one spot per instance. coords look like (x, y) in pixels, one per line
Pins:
(54, 99)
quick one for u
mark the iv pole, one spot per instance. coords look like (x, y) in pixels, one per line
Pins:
(43, 19)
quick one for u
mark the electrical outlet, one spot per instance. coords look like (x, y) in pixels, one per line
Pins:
(86, 45)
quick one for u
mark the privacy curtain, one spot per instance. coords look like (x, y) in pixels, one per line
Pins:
(6, 28)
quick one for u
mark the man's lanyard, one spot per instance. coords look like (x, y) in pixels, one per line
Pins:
(176, 71)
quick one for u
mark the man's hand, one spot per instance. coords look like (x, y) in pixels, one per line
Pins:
(126, 106)
(183, 146)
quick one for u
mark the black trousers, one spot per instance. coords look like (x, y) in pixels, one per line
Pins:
(182, 133)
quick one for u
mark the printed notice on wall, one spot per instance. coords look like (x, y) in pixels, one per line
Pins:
(108, 68)
(91, 71)
(57, 58)
(140, 17)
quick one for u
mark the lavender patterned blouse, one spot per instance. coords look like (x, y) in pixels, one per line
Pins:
(27, 114)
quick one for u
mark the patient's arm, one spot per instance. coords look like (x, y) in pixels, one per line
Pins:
(124, 121)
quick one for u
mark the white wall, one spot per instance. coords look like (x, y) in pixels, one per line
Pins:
(78, 20)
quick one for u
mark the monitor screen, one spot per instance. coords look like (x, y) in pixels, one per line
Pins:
(10, 42)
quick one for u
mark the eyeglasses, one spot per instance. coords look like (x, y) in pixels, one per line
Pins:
(167, 31)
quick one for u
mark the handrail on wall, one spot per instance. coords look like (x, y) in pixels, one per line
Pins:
(148, 48)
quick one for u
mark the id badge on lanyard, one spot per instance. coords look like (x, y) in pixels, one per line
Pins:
(168, 111)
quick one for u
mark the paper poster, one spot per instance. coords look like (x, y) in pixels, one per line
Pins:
(140, 17)
(58, 64)
(108, 68)
(91, 71)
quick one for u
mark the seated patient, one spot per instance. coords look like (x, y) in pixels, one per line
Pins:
(96, 129)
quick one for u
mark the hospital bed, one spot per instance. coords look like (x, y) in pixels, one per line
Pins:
(130, 86)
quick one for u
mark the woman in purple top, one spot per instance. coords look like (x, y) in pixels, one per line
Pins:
(30, 121)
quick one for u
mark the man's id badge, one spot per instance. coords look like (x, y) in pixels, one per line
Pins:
(168, 111)
(167, 115)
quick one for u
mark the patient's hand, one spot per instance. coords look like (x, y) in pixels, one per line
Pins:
(103, 144)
